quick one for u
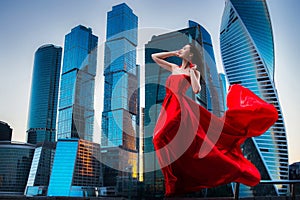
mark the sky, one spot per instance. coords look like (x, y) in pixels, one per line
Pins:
(27, 25)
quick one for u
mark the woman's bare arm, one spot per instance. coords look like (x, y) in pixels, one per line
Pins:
(159, 59)
(195, 80)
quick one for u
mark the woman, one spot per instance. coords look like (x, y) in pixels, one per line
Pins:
(196, 149)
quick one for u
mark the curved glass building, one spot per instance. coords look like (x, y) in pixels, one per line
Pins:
(44, 94)
(15, 162)
(247, 50)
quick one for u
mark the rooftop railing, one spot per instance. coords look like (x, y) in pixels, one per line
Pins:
(291, 183)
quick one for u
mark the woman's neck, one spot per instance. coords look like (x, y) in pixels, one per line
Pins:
(184, 63)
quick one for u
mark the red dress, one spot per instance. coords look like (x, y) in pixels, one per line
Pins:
(196, 149)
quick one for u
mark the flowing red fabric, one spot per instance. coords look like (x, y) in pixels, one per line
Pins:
(196, 149)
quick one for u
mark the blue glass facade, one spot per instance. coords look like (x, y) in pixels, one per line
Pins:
(248, 56)
(76, 103)
(119, 117)
(63, 168)
(15, 161)
(223, 86)
(76, 169)
(209, 97)
(44, 94)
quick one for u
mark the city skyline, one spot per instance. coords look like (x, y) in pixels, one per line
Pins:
(20, 19)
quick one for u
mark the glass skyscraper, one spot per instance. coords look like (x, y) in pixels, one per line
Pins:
(76, 103)
(120, 107)
(248, 55)
(119, 117)
(209, 97)
(44, 94)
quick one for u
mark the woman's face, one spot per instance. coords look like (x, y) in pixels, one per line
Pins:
(185, 53)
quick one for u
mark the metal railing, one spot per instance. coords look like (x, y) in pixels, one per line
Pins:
(291, 183)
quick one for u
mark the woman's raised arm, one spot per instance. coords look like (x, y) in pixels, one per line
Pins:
(159, 59)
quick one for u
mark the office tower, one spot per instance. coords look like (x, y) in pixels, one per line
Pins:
(40, 170)
(42, 115)
(209, 97)
(120, 107)
(119, 116)
(15, 161)
(44, 94)
(248, 56)
(5, 132)
(76, 103)
(76, 169)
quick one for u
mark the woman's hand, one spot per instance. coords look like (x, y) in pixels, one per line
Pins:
(176, 53)
(193, 68)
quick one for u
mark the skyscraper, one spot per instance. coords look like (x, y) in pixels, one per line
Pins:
(248, 55)
(120, 102)
(76, 103)
(44, 94)
(209, 97)
(120, 110)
